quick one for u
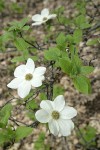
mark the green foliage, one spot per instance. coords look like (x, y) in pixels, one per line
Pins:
(71, 64)
(5, 113)
(6, 36)
(2, 5)
(81, 6)
(89, 134)
(19, 25)
(60, 10)
(52, 54)
(31, 115)
(69, 39)
(39, 144)
(24, 58)
(93, 42)
(6, 136)
(60, 16)
(74, 68)
(43, 96)
(31, 105)
(85, 70)
(22, 132)
(63, 20)
(81, 22)
(82, 84)
(12, 34)
(21, 44)
(18, 59)
(57, 90)
(61, 41)
(65, 65)
(77, 36)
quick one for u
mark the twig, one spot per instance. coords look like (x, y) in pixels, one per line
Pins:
(7, 102)
(37, 47)
(52, 80)
(33, 125)
(81, 135)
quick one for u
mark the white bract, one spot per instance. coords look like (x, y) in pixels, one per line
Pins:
(57, 115)
(27, 76)
(43, 17)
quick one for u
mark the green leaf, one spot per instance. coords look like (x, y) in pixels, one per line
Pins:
(2, 5)
(64, 20)
(93, 42)
(76, 63)
(69, 38)
(19, 25)
(12, 28)
(59, 10)
(43, 96)
(81, 22)
(85, 70)
(6, 135)
(85, 26)
(65, 65)
(23, 22)
(61, 41)
(72, 49)
(77, 36)
(26, 28)
(64, 54)
(82, 84)
(76, 60)
(52, 54)
(57, 90)
(30, 115)
(5, 113)
(39, 144)
(22, 132)
(35, 58)
(88, 133)
(6, 36)
(18, 59)
(21, 44)
(31, 105)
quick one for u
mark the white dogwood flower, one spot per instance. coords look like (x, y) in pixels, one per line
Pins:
(57, 115)
(27, 76)
(43, 17)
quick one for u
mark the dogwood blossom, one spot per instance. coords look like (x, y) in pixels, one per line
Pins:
(57, 115)
(27, 76)
(43, 17)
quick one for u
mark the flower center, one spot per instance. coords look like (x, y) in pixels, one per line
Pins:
(28, 76)
(45, 18)
(55, 115)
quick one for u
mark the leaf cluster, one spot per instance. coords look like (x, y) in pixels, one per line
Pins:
(7, 133)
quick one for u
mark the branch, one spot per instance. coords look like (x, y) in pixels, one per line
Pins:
(37, 47)
(33, 125)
